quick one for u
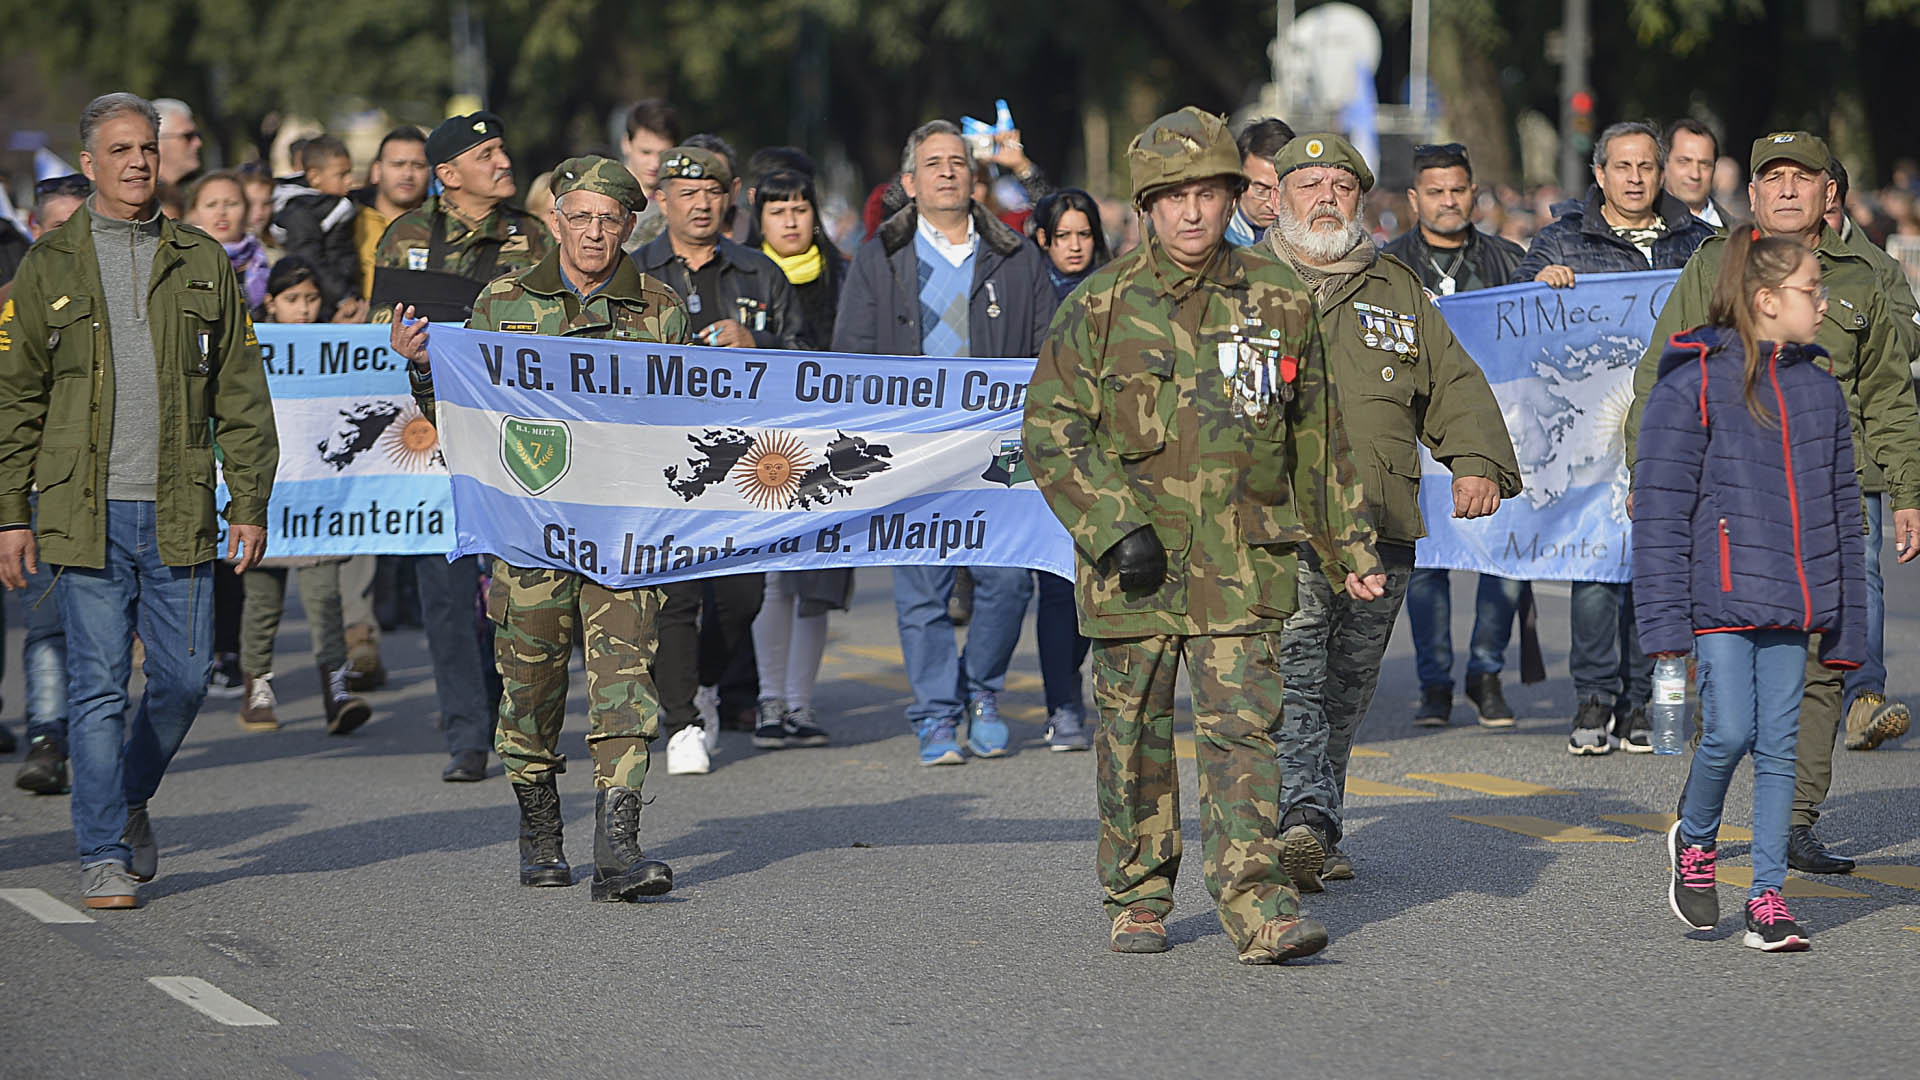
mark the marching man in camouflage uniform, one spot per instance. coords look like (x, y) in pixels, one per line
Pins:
(587, 288)
(1403, 379)
(1180, 424)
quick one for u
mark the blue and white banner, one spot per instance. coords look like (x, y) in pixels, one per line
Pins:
(636, 463)
(360, 468)
(1561, 365)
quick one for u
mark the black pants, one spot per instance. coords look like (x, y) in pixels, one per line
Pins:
(460, 639)
(679, 668)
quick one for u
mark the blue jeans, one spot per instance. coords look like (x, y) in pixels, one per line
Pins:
(942, 678)
(45, 661)
(1430, 617)
(1750, 685)
(1605, 656)
(1056, 628)
(1871, 676)
(465, 681)
(117, 765)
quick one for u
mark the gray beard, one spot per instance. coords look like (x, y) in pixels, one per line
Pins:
(1316, 244)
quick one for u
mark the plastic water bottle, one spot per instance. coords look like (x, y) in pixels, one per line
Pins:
(1667, 710)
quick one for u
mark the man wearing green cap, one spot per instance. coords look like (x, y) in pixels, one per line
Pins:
(1181, 426)
(585, 288)
(1790, 191)
(1403, 380)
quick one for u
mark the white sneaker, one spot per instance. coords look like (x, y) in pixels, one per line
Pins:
(707, 704)
(687, 753)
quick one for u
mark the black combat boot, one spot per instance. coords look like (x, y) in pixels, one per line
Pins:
(543, 863)
(345, 712)
(621, 870)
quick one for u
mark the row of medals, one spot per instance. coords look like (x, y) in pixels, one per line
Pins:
(1253, 366)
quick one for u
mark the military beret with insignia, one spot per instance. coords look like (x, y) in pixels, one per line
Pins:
(458, 134)
(694, 163)
(1323, 148)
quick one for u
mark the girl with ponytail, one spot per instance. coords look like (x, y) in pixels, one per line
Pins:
(1747, 542)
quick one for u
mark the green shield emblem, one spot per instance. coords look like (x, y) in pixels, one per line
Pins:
(1006, 463)
(536, 452)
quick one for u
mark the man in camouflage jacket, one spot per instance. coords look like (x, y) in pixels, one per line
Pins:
(1180, 423)
(586, 288)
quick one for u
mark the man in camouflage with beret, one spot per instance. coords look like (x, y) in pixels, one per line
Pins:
(1403, 380)
(585, 288)
(1180, 424)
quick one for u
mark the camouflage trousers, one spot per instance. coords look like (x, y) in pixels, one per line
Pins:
(1331, 653)
(1235, 682)
(538, 614)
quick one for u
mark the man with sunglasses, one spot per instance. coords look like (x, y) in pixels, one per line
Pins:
(1791, 189)
(180, 141)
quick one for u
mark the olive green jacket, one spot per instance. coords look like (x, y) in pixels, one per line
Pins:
(1866, 350)
(1433, 391)
(57, 387)
(1129, 423)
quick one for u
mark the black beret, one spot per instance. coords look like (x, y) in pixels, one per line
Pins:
(458, 134)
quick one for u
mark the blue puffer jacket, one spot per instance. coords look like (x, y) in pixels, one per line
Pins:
(1739, 525)
(1580, 239)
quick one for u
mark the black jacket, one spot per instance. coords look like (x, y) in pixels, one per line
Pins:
(13, 248)
(820, 300)
(1581, 240)
(1492, 258)
(1011, 303)
(319, 228)
(748, 281)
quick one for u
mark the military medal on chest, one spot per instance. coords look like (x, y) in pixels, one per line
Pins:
(1387, 330)
(1259, 376)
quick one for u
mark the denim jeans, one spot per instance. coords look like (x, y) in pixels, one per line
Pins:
(1605, 655)
(1056, 629)
(1750, 684)
(942, 678)
(1871, 676)
(1430, 617)
(44, 657)
(117, 765)
(460, 640)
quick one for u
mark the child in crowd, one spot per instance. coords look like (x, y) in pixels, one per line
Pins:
(1747, 539)
(315, 218)
(293, 296)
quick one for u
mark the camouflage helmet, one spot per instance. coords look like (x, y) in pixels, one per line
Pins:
(1181, 146)
(598, 174)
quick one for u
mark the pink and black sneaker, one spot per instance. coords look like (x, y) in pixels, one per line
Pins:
(1770, 927)
(1690, 891)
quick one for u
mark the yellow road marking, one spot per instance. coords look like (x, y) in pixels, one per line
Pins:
(1660, 823)
(1556, 832)
(1486, 784)
(1915, 929)
(889, 653)
(1357, 786)
(1907, 877)
(1742, 877)
(1367, 751)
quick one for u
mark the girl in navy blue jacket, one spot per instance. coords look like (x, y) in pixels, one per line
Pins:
(1747, 541)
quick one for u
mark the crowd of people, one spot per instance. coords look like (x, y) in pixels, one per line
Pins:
(1277, 576)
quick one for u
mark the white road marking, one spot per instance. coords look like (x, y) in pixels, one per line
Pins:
(210, 1000)
(38, 904)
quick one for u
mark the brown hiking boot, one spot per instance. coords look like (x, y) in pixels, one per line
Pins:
(364, 669)
(256, 709)
(1872, 720)
(1288, 937)
(344, 711)
(1137, 930)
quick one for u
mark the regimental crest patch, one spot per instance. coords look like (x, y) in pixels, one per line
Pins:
(537, 453)
(1006, 462)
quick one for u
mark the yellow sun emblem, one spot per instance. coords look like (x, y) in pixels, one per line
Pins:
(411, 442)
(769, 474)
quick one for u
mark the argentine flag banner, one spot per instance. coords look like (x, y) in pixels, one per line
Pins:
(360, 469)
(1561, 365)
(636, 463)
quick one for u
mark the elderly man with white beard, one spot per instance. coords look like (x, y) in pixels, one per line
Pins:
(1402, 377)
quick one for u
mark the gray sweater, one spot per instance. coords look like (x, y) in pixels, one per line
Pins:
(125, 250)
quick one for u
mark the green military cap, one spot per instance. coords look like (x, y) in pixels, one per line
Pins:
(1179, 147)
(1323, 148)
(458, 134)
(694, 163)
(602, 175)
(1799, 147)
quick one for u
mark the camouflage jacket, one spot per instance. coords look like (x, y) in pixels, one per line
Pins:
(522, 240)
(1129, 423)
(1865, 348)
(631, 307)
(1404, 376)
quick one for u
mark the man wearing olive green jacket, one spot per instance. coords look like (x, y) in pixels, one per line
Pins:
(126, 356)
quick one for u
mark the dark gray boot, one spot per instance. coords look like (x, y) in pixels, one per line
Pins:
(543, 861)
(621, 870)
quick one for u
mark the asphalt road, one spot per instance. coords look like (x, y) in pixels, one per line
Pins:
(842, 912)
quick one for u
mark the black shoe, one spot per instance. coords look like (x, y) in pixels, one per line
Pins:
(466, 767)
(8, 744)
(45, 770)
(1770, 926)
(621, 870)
(1806, 854)
(770, 733)
(1634, 731)
(1590, 736)
(228, 681)
(1436, 706)
(345, 712)
(801, 730)
(144, 863)
(543, 861)
(1484, 691)
(1690, 888)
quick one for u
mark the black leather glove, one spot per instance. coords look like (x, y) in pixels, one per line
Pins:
(1140, 560)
